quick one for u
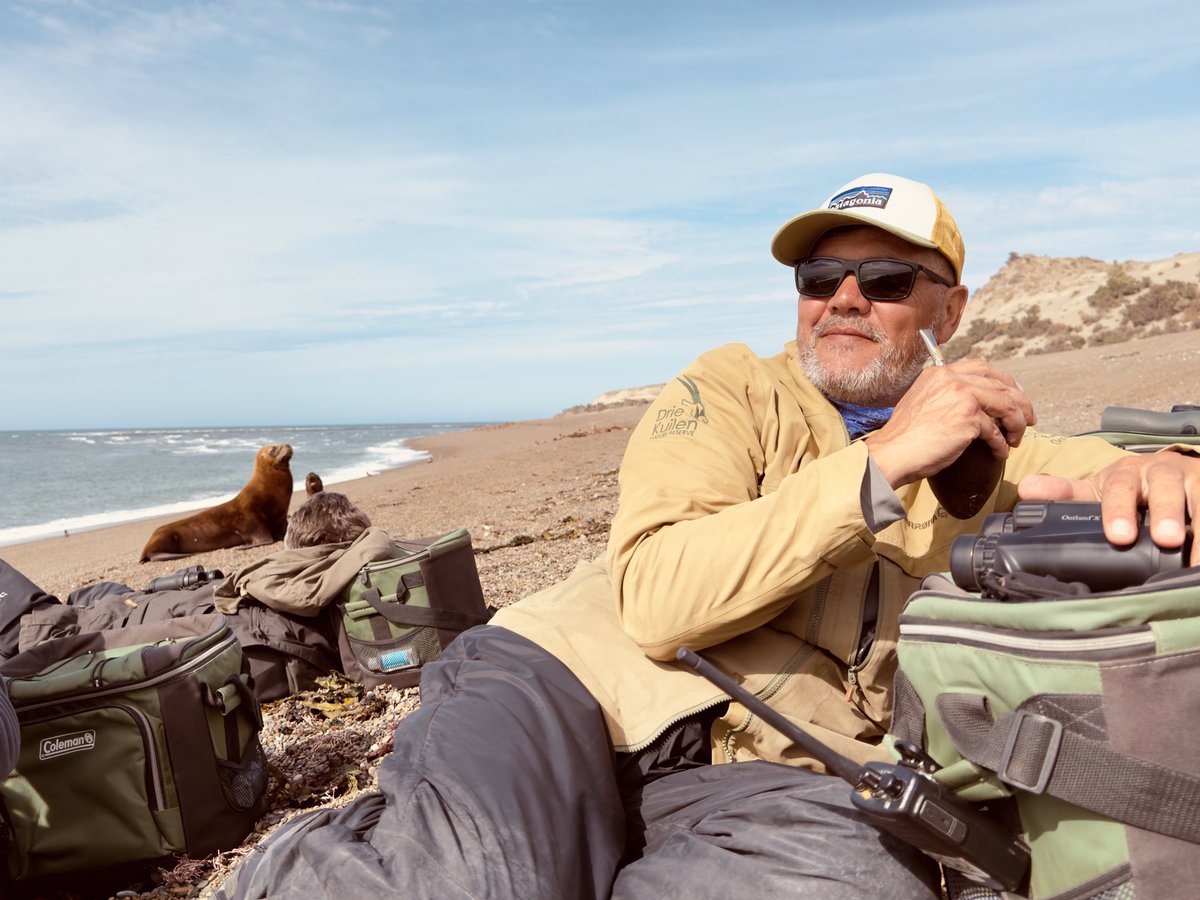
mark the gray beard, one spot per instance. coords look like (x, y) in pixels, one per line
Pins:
(880, 383)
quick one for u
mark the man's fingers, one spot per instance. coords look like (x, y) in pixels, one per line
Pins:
(1052, 487)
(1166, 482)
(1168, 504)
(1118, 500)
(1155, 481)
(1012, 426)
(991, 434)
(1119, 497)
(1008, 406)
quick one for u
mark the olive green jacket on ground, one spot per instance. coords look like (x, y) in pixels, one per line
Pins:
(741, 533)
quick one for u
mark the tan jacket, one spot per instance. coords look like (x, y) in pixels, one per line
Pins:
(740, 532)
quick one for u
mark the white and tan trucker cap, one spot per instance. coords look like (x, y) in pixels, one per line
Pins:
(906, 208)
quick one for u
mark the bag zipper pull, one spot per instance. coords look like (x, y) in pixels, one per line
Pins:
(98, 673)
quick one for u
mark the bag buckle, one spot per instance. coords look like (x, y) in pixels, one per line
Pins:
(1050, 743)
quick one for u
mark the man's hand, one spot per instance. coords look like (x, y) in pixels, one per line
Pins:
(946, 408)
(1167, 483)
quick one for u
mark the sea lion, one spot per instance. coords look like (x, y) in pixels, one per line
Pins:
(313, 484)
(326, 517)
(256, 516)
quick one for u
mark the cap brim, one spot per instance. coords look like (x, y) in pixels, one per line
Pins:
(796, 239)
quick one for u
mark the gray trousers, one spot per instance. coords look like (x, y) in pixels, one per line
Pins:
(504, 784)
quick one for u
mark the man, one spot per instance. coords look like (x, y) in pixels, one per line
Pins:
(774, 515)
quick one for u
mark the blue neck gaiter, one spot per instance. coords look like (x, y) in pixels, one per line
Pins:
(862, 419)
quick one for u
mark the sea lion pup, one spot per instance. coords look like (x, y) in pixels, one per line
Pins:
(257, 515)
(326, 517)
(313, 484)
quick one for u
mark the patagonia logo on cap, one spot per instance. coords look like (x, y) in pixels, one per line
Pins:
(875, 197)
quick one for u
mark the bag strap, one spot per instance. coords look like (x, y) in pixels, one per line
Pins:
(1058, 745)
(420, 616)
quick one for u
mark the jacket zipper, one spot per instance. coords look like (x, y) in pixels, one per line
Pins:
(872, 604)
(1126, 643)
(671, 723)
(770, 690)
(852, 686)
(818, 609)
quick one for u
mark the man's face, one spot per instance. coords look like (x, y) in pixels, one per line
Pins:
(868, 352)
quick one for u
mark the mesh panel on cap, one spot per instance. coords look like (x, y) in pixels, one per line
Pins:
(946, 236)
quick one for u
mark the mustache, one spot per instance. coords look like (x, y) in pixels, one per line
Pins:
(866, 329)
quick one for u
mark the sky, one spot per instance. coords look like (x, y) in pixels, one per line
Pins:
(327, 212)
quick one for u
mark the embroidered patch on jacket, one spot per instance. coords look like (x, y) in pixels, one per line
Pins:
(875, 197)
(684, 417)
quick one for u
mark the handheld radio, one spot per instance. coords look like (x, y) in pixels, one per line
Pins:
(902, 798)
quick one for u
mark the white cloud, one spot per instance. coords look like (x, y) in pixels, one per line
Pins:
(570, 196)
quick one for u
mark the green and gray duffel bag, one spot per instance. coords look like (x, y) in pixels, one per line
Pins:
(137, 745)
(1082, 706)
(398, 614)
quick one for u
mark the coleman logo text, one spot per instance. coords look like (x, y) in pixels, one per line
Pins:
(62, 744)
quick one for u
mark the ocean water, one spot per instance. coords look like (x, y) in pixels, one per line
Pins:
(56, 481)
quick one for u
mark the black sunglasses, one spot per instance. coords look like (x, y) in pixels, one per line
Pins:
(878, 279)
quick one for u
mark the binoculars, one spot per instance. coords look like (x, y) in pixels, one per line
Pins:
(184, 579)
(1063, 539)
